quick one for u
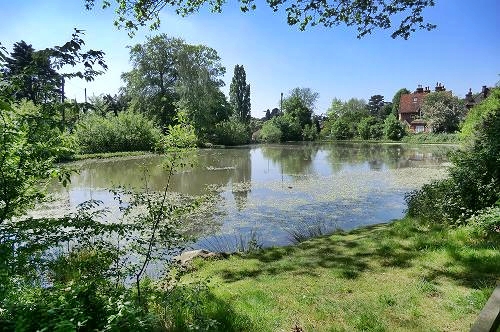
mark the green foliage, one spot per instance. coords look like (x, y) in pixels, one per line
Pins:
(289, 126)
(437, 201)
(169, 74)
(393, 129)
(309, 133)
(366, 17)
(335, 109)
(486, 222)
(232, 132)
(431, 138)
(239, 95)
(198, 85)
(443, 112)
(326, 129)
(342, 129)
(151, 83)
(370, 128)
(33, 74)
(299, 106)
(385, 110)
(476, 115)
(129, 131)
(375, 104)
(29, 146)
(270, 132)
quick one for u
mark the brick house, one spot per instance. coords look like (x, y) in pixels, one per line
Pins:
(410, 112)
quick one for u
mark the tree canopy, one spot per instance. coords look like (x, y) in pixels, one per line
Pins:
(299, 105)
(443, 111)
(403, 17)
(169, 74)
(33, 74)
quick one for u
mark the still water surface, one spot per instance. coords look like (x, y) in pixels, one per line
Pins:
(272, 191)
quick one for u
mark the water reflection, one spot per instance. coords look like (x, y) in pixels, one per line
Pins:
(294, 160)
(271, 188)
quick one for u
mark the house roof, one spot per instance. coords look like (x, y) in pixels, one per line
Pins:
(474, 99)
(411, 102)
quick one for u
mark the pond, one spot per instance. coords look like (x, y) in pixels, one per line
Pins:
(273, 193)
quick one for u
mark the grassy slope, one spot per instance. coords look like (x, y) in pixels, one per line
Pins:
(396, 277)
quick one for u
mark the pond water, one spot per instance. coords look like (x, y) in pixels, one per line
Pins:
(269, 193)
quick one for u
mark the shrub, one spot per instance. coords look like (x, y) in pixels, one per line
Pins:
(232, 132)
(309, 132)
(128, 131)
(370, 128)
(437, 201)
(341, 130)
(270, 132)
(393, 128)
(486, 223)
(290, 128)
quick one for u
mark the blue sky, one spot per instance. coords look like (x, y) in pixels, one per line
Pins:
(462, 52)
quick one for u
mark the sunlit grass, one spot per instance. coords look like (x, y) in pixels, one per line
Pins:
(403, 276)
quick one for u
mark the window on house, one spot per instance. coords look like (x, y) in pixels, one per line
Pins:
(415, 99)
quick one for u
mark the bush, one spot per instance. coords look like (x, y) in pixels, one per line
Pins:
(486, 223)
(370, 128)
(436, 201)
(128, 131)
(232, 132)
(341, 130)
(393, 129)
(270, 132)
(290, 128)
(309, 132)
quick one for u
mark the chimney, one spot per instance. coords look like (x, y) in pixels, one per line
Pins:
(419, 89)
(468, 96)
(485, 91)
(439, 87)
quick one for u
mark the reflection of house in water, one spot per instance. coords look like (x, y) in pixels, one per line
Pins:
(413, 158)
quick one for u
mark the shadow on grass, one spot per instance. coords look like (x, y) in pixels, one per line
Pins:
(193, 307)
(402, 244)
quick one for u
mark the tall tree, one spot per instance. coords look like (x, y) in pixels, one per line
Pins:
(239, 94)
(169, 74)
(375, 103)
(32, 75)
(396, 99)
(151, 82)
(403, 17)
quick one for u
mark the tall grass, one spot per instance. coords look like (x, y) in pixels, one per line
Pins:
(432, 138)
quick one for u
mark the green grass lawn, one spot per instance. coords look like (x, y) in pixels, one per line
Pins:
(402, 276)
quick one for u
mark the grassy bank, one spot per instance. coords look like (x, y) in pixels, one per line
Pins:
(402, 276)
